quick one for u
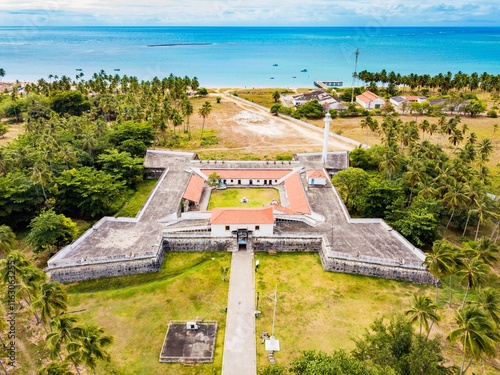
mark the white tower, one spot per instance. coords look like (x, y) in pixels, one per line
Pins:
(328, 120)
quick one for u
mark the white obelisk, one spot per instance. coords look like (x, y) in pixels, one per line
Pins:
(328, 120)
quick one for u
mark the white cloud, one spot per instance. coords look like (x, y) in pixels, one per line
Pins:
(243, 12)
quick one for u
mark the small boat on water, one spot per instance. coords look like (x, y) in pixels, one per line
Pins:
(275, 64)
(294, 77)
(271, 78)
(116, 70)
(78, 69)
(304, 70)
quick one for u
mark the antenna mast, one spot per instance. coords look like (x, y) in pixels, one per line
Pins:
(354, 75)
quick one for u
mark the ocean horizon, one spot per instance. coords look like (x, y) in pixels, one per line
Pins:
(228, 56)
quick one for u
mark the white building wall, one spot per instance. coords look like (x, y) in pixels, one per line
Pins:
(316, 181)
(225, 230)
(246, 182)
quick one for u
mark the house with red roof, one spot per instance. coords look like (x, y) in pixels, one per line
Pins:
(369, 100)
(225, 222)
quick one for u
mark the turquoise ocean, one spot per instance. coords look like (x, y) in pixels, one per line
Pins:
(246, 56)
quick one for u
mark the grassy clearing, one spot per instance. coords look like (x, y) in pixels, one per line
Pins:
(136, 310)
(137, 199)
(318, 309)
(263, 97)
(324, 311)
(231, 197)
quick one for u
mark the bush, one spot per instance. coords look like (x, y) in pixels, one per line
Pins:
(51, 230)
(284, 156)
(492, 114)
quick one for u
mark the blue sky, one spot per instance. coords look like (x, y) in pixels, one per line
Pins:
(369, 13)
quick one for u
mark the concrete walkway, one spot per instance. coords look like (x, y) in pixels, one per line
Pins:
(239, 344)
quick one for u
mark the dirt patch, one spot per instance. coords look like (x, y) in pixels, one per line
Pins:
(251, 122)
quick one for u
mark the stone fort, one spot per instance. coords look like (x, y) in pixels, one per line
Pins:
(310, 216)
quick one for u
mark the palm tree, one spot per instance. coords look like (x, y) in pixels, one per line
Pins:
(484, 249)
(440, 261)
(484, 208)
(276, 96)
(423, 311)
(476, 333)
(7, 239)
(472, 272)
(53, 300)
(90, 347)
(204, 111)
(187, 110)
(2, 73)
(64, 331)
(489, 301)
(455, 198)
(55, 368)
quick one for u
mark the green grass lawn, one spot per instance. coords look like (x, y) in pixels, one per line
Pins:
(137, 199)
(136, 310)
(231, 197)
(321, 310)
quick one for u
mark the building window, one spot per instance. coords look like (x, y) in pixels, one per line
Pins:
(231, 180)
(227, 227)
(258, 180)
(275, 181)
(257, 227)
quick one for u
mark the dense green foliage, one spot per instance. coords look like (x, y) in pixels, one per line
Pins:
(444, 82)
(417, 186)
(47, 301)
(392, 348)
(84, 142)
(49, 230)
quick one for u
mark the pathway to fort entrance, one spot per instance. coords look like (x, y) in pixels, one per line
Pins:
(239, 343)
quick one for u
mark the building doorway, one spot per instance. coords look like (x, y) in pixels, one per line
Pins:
(242, 238)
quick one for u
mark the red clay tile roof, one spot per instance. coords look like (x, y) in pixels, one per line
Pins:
(296, 196)
(317, 173)
(242, 216)
(272, 174)
(367, 97)
(194, 189)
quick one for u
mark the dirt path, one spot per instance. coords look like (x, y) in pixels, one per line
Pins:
(272, 132)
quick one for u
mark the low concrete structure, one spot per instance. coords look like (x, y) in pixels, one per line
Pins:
(308, 218)
(189, 342)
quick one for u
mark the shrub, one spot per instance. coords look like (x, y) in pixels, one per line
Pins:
(492, 114)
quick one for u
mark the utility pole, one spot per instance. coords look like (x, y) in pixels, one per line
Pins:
(354, 75)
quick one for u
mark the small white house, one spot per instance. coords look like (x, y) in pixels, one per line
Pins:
(316, 177)
(368, 100)
(224, 222)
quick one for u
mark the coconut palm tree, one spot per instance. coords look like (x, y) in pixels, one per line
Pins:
(484, 249)
(53, 300)
(187, 111)
(204, 111)
(2, 73)
(55, 368)
(90, 347)
(476, 333)
(456, 197)
(64, 330)
(489, 300)
(7, 239)
(440, 261)
(472, 273)
(423, 311)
